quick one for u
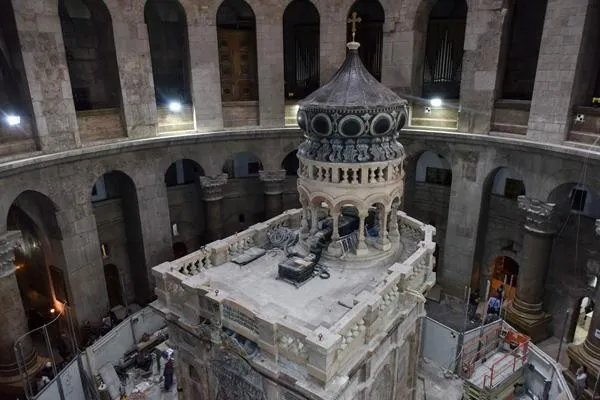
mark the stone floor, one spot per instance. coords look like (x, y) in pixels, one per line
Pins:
(434, 385)
(452, 313)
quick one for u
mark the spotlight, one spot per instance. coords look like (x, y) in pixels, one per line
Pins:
(436, 102)
(52, 311)
(175, 106)
(13, 120)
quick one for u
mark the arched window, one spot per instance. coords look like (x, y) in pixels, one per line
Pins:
(444, 49)
(369, 33)
(526, 26)
(236, 36)
(300, 49)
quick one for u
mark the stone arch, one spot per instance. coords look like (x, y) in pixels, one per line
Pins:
(575, 197)
(291, 163)
(370, 34)
(498, 204)
(186, 208)
(34, 215)
(166, 21)
(301, 24)
(100, 88)
(242, 165)
(444, 49)
(236, 29)
(116, 210)
(315, 199)
(355, 202)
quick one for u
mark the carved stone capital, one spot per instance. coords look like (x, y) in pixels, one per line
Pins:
(9, 241)
(272, 181)
(540, 217)
(212, 187)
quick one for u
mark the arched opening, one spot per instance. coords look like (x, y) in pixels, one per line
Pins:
(186, 208)
(244, 203)
(113, 285)
(236, 36)
(300, 49)
(16, 124)
(431, 175)
(579, 326)
(444, 49)
(92, 62)
(291, 163)
(369, 33)
(500, 221)
(115, 206)
(526, 26)
(169, 52)
(503, 276)
(39, 259)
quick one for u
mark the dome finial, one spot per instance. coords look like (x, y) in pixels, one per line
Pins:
(355, 19)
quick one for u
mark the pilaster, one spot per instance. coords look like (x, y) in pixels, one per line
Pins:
(212, 195)
(204, 66)
(526, 311)
(269, 51)
(332, 39)
(273, 183)
(14, 324)
(135, 68)
(47, 73)
(479, 79)
(554, 88)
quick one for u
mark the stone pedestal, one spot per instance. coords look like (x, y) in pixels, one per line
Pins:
(212, 195)
(14, 322)
(526, 311)
(587, 354)
(273, 188)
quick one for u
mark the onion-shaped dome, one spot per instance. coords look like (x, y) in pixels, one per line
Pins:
(352, 118)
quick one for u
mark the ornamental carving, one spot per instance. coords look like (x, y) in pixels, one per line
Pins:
(539, 216)
(359, 150)
(212, 187)
(8, 243)
(272, 181)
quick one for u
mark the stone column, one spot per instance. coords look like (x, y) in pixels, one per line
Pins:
(394, 233)
(588, 353)
(382, 240)
(361, 247)
(559, 61)
(526, 311)
(314, 220)
(212, 195)
(14, 322)
(135, 68)
(335, 235)
(273, 188)
(479, 78)
(45, 66)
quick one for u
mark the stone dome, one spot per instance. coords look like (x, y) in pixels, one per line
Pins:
(352, 118)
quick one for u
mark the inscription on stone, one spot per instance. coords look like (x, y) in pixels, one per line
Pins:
(240, 318)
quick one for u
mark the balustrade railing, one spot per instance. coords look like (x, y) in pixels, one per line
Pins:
(371, 174)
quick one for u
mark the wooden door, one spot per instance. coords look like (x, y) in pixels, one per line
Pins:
(237, 63)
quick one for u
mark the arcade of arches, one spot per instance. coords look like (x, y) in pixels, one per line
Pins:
(117, 147)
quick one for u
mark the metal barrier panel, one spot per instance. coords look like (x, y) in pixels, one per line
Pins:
(72, 384)
(439, 344)
(50, 392)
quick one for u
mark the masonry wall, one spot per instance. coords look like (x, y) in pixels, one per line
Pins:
(186, 209)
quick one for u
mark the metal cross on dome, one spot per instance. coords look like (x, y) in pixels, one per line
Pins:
(354, 19)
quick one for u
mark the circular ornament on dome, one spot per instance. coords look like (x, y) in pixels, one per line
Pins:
(381, 124)
(351, 126)
(301, 118)
(321, 124)
(401, 121)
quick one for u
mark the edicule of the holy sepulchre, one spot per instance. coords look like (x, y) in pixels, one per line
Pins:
(323, 302)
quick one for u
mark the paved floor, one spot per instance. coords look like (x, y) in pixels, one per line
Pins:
(434, 385)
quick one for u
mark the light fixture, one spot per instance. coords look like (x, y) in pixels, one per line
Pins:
(52, 311)
(175, 230)
(13, 120)
(436, 102)
(104, 249)
(175, 106)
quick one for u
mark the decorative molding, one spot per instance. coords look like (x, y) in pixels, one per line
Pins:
(597, 227)
(9, 241)
(212, 187)
(273, 181)
(539, 216)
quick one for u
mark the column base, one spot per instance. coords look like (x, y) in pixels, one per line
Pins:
(13, 385)
(529, 319)
(588, 356)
